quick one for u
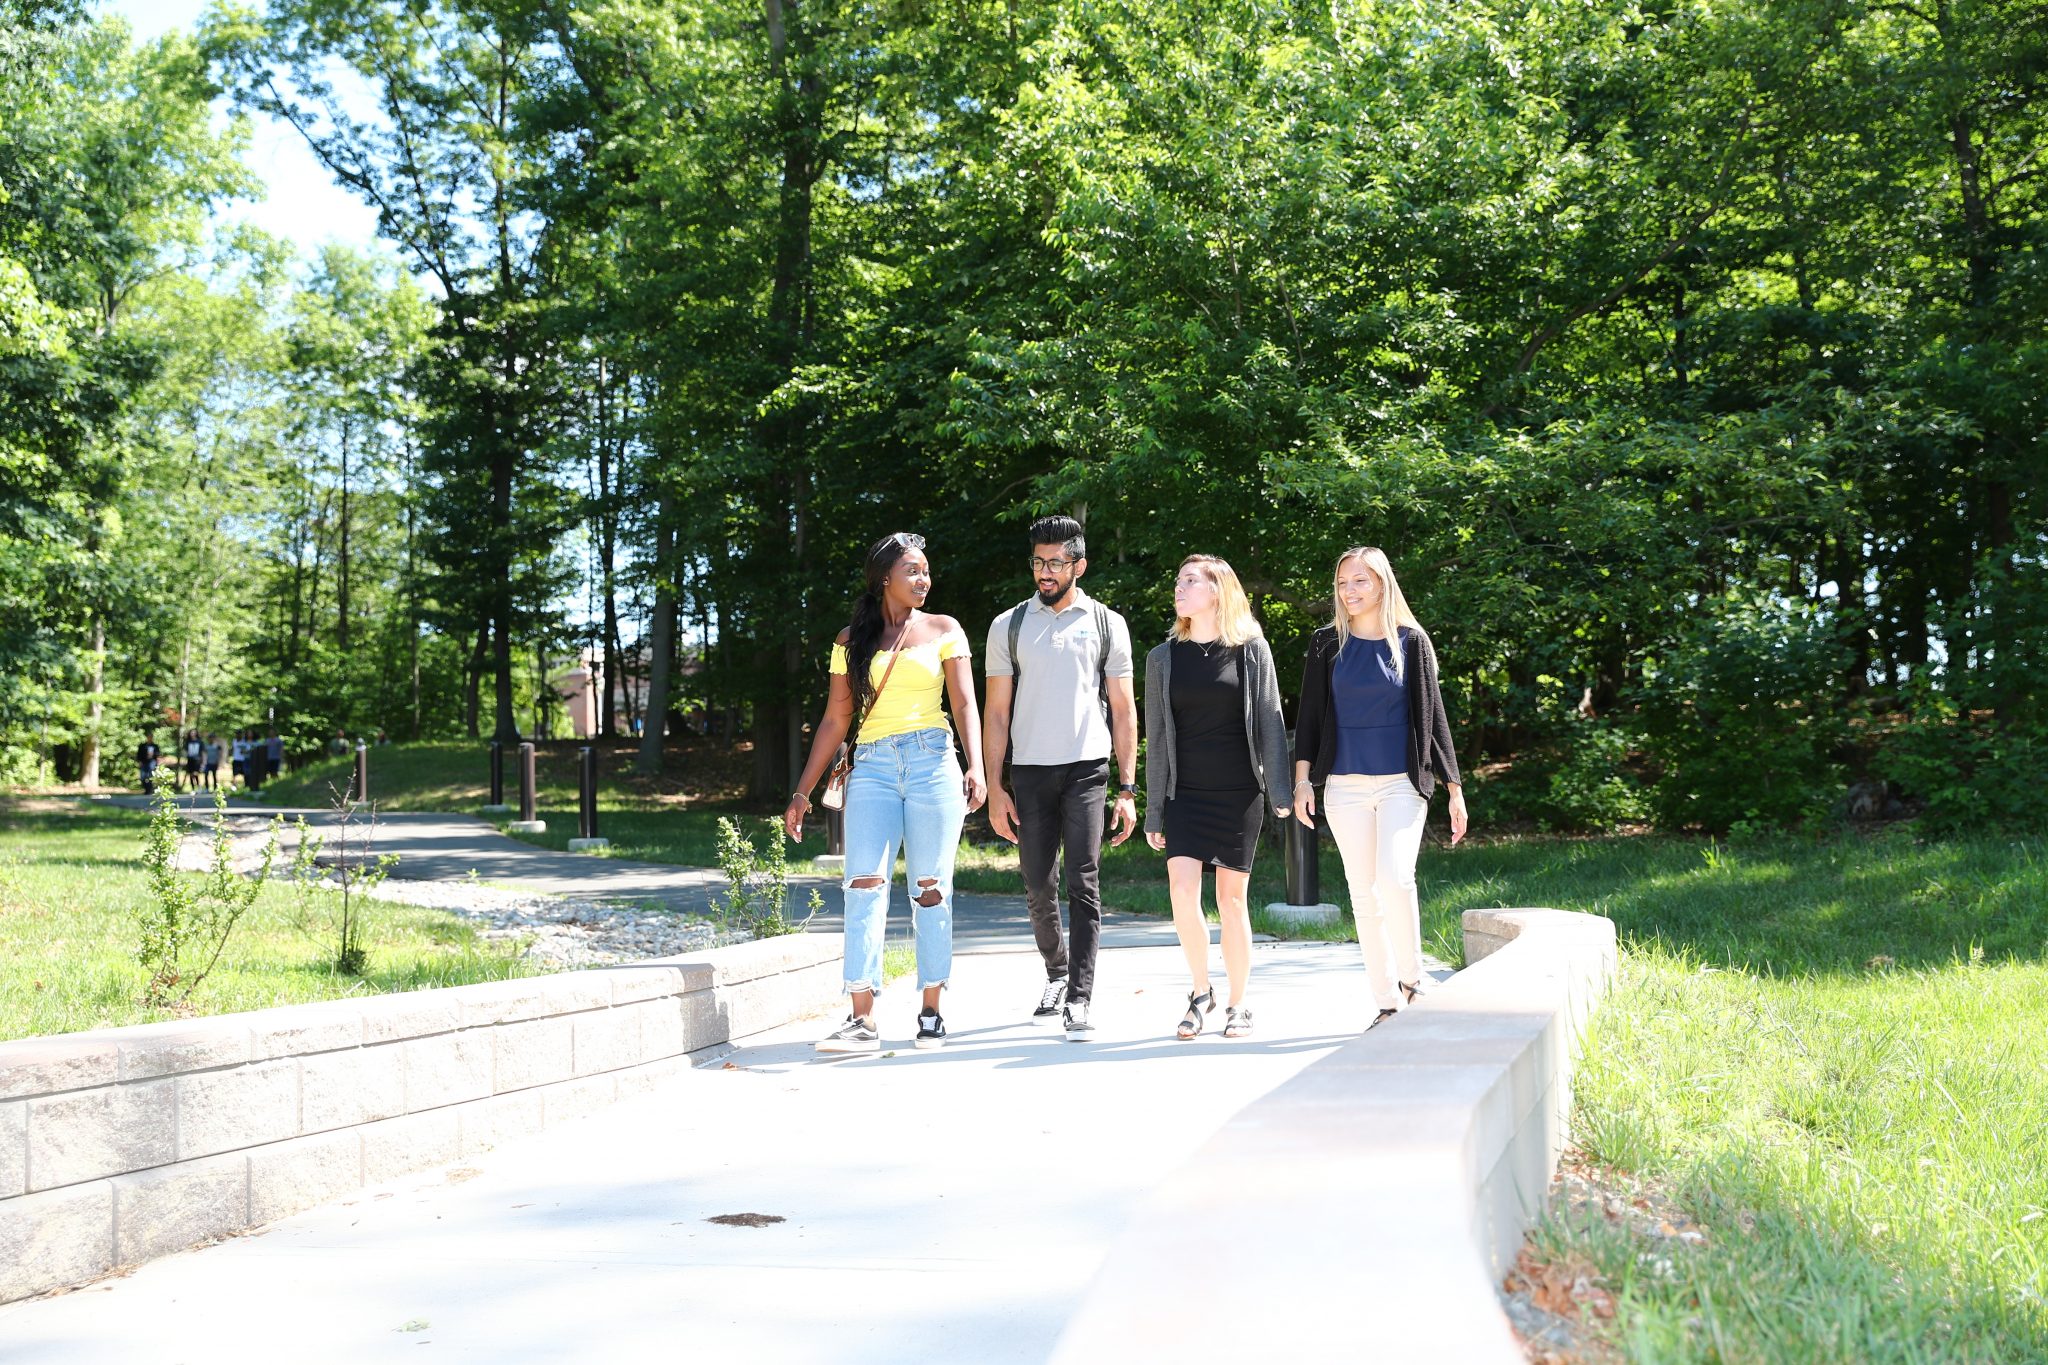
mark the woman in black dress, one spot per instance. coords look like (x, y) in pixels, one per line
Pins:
(1215, 758)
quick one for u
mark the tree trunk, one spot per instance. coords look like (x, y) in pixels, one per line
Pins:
(95, 712)
(473, 681)
(341, 580)
(778, 720)
(607, 556)
(660, 642)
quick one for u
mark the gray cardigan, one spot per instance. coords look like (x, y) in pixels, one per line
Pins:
(1265, 731)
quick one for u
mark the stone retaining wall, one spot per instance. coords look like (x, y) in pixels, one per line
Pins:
(1366, 1209)
(125, 1144)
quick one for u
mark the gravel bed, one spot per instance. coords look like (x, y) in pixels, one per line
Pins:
(564, 931)
(556, 931)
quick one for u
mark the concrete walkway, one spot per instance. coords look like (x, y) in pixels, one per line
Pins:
(938, 1206)
(434, 847)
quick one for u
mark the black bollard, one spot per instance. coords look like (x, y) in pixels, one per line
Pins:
(362, 781)
(835, 833)
(526, 782)
(1304, 876)
(497, 773)
(587, 810)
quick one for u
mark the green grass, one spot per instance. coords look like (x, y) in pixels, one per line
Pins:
(71, 878)
(1832, 1055)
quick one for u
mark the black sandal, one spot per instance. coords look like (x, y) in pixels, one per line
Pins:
(1413, 992)
(1238, 1022)
(1382, 1018)
(1199, 1004)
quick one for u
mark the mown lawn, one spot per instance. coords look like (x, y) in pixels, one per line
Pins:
(71, 879)
(1835, 1055)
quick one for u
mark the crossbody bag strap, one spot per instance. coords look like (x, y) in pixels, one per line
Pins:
(895, 653)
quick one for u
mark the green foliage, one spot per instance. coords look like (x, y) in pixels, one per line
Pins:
(1599, 319)
(1973, 743)
(1741, 718)
(187, 921)
(1594, 788)
(757, 883)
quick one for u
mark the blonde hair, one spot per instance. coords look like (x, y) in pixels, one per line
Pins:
(1394, 611)
(1234, 620)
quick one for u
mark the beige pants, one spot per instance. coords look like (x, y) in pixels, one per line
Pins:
(1378, 823)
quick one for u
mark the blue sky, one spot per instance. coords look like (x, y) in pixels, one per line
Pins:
(302, 202)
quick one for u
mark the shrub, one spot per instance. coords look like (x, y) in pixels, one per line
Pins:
(1742, 715)
(757, 884)
(1593, 788)
(1974, 747)
(187, 914)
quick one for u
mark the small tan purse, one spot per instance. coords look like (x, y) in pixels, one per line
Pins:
(834, 795)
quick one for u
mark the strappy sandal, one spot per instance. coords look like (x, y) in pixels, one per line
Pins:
(1237, 1022)
(1199, 1004)
(1382, 1018)
(1413, 992)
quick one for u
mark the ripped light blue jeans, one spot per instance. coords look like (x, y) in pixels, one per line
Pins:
(905, 790)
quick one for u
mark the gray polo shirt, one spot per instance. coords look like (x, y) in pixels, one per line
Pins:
(1056, 711)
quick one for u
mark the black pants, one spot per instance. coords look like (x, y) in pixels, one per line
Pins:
(1059, 810)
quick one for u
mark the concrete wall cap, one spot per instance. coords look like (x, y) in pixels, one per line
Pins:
(49, 1066)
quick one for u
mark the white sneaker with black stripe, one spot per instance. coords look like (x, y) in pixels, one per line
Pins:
(1055, 995)
(931, 1030)
(1075, 1017)
(857, 1034)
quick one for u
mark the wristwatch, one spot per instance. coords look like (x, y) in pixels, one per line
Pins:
(1126, 789)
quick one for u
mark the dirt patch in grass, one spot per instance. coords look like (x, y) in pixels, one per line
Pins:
(1561, 1305)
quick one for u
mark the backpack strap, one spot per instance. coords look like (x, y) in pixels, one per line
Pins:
(1016, 634)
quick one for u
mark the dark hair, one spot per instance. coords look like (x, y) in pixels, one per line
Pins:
(1064, 532)
(864, 632)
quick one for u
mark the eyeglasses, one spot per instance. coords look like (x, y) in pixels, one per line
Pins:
(1051, 565)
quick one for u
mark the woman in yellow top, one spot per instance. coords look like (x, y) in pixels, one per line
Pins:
(889, 668)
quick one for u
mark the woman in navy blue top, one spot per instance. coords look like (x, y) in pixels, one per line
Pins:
(1372, 732)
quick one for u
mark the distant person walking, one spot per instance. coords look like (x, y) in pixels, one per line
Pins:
(273, 753)
(147, 756)
(195, 760)
(1215, 757)
(1059, 706)
(238, 755)
(1372, 732)
(906, 786)
(212, 762)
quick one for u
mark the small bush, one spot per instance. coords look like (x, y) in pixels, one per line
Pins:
(189, 918)
(1976, 744)
(757, 883)
(1969, 769)
(1593, 789)
(1742, 718)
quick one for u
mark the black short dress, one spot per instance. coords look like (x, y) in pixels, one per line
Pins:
(1216, 810)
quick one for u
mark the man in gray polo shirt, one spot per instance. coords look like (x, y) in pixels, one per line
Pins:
(1046, 711)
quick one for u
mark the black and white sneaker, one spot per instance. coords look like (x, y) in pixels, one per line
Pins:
(1049, 1002)
(931, 1030)
(857, 1034)
(1076, 1019)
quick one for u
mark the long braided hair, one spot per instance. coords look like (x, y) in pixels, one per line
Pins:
(864, 633)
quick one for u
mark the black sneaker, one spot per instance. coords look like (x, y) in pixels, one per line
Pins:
(931, 1030)
(1075, 1018)
(857, 1034)
(1049, 1002)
